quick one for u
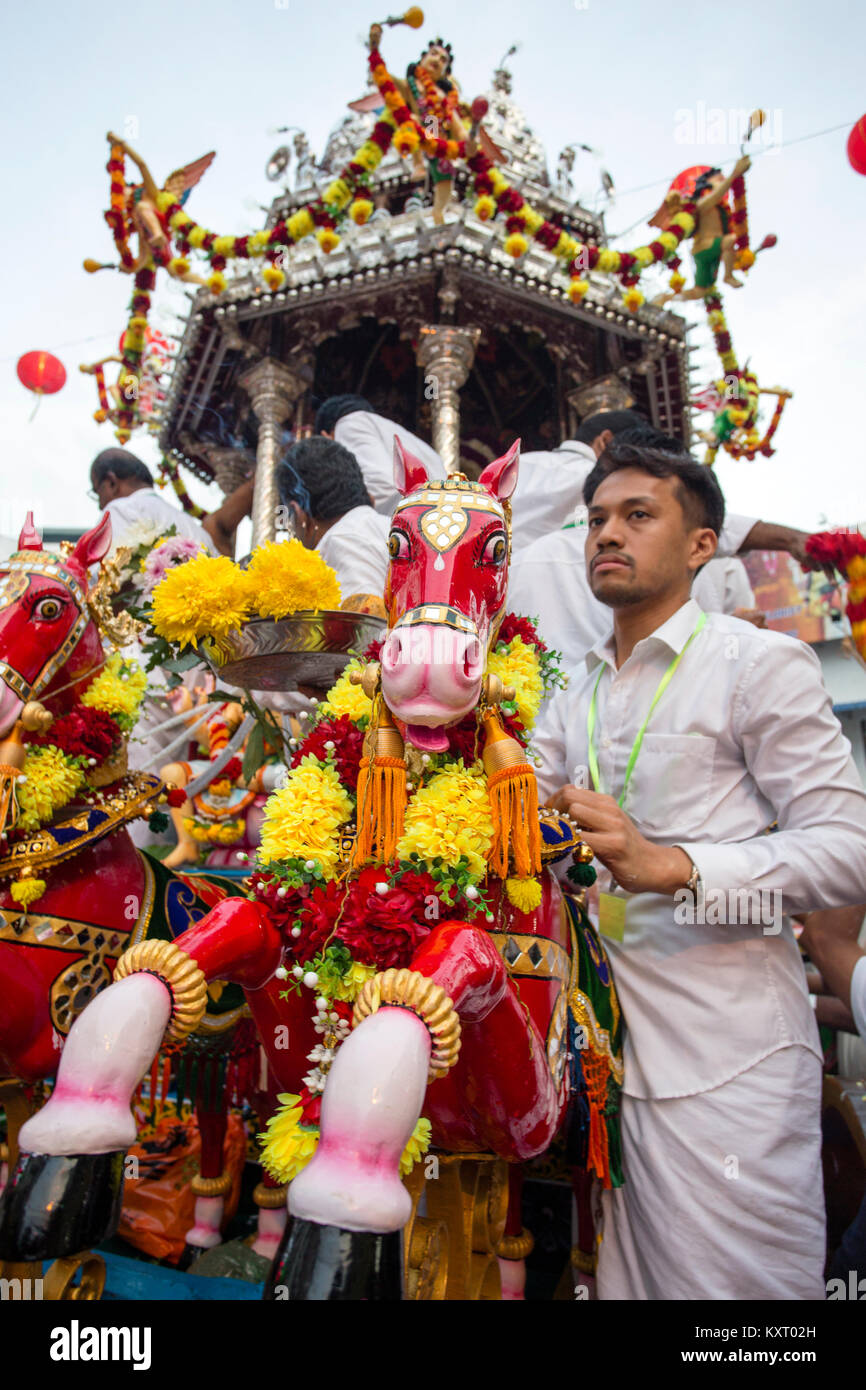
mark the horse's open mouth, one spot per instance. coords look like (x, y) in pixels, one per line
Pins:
(428, 740)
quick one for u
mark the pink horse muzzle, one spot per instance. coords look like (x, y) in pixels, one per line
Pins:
(431, 677)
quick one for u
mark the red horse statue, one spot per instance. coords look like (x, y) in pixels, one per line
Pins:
(75, 893)
(470, 1030)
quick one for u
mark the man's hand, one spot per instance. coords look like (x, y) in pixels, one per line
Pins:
(637, 865)
(375, 36)
(742, 165)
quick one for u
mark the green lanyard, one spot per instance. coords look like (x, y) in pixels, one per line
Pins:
(591, 716)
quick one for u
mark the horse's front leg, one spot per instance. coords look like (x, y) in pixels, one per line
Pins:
(87, 1124)
(377, 1083)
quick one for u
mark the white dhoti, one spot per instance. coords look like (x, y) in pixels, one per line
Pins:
(723, 1194)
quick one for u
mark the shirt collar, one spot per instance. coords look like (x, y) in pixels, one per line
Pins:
(674, 633)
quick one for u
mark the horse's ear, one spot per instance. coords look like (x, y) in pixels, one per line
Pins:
(409, 472)
(500, 476)
(94, 544)
(30, 538)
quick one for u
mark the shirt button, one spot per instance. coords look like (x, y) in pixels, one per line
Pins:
(605, 743)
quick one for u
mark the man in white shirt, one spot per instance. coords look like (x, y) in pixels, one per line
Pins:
(321, 483)
(352, 421)
(550, 484)
(123, 487)
(699, 731)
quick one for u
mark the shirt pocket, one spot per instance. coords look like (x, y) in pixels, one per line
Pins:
(669, 793)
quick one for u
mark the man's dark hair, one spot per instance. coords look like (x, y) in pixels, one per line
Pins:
(614, 420)
(122, 464)
(323, 478)
(698, 491)
(652, 438)
(335, 407)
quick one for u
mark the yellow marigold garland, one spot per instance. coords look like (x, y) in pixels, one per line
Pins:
(346, 698)
(519, 666)
(52, 779)
(302, 819)
(118, 690)
(288, 1145)
(449, 819)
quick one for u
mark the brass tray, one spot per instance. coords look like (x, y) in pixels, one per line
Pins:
(283, 653)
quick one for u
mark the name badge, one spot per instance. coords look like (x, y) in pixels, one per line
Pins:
(611, 916)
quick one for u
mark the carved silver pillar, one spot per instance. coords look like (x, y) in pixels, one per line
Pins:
(273, 389)
(446, 353)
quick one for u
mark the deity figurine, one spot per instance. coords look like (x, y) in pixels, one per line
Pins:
(154, 241)
(712, 243)
(433, 97)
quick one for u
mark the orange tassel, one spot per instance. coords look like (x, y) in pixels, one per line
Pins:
(12, 754)
(381, 803)
(513, 795)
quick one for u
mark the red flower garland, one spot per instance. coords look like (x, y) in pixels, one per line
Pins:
(83, 733)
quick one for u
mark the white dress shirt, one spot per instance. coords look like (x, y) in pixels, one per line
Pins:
(743, 735)
(548, 582)
(549, 487)
(370, 438)
(144, 515)
(858, 996)
(356, 547)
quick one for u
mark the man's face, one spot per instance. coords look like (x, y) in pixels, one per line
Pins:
(640, 543)
(104, 491)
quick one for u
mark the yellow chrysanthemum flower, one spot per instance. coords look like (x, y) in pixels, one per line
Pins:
(303, 817)
(197, 236)
(608, 260)
(523, 893)
(857, 568)
(286, 578)
(349, 986)
(205, 597)
(258, 241)
(450, 819)
(52, 781)
(519, 666)
(644, 256)
(300, 224)
(345, 698)
(118, 690)
(288, 1145)
(223, 246)
(419, 1143)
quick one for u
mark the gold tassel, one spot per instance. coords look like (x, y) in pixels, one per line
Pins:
(381, 803)
(513, 802)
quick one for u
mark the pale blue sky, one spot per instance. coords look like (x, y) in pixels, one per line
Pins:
(615, 74)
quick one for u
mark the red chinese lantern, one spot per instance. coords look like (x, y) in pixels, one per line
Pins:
(857, 147)
(41, 373)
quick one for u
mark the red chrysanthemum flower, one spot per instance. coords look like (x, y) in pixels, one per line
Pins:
(348, 741)
(386, 929)
(319, 914)
(83, 733)
(513, 626)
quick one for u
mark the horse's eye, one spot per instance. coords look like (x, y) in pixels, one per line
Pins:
(48, 609)
(398, 545)
(495, 550)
